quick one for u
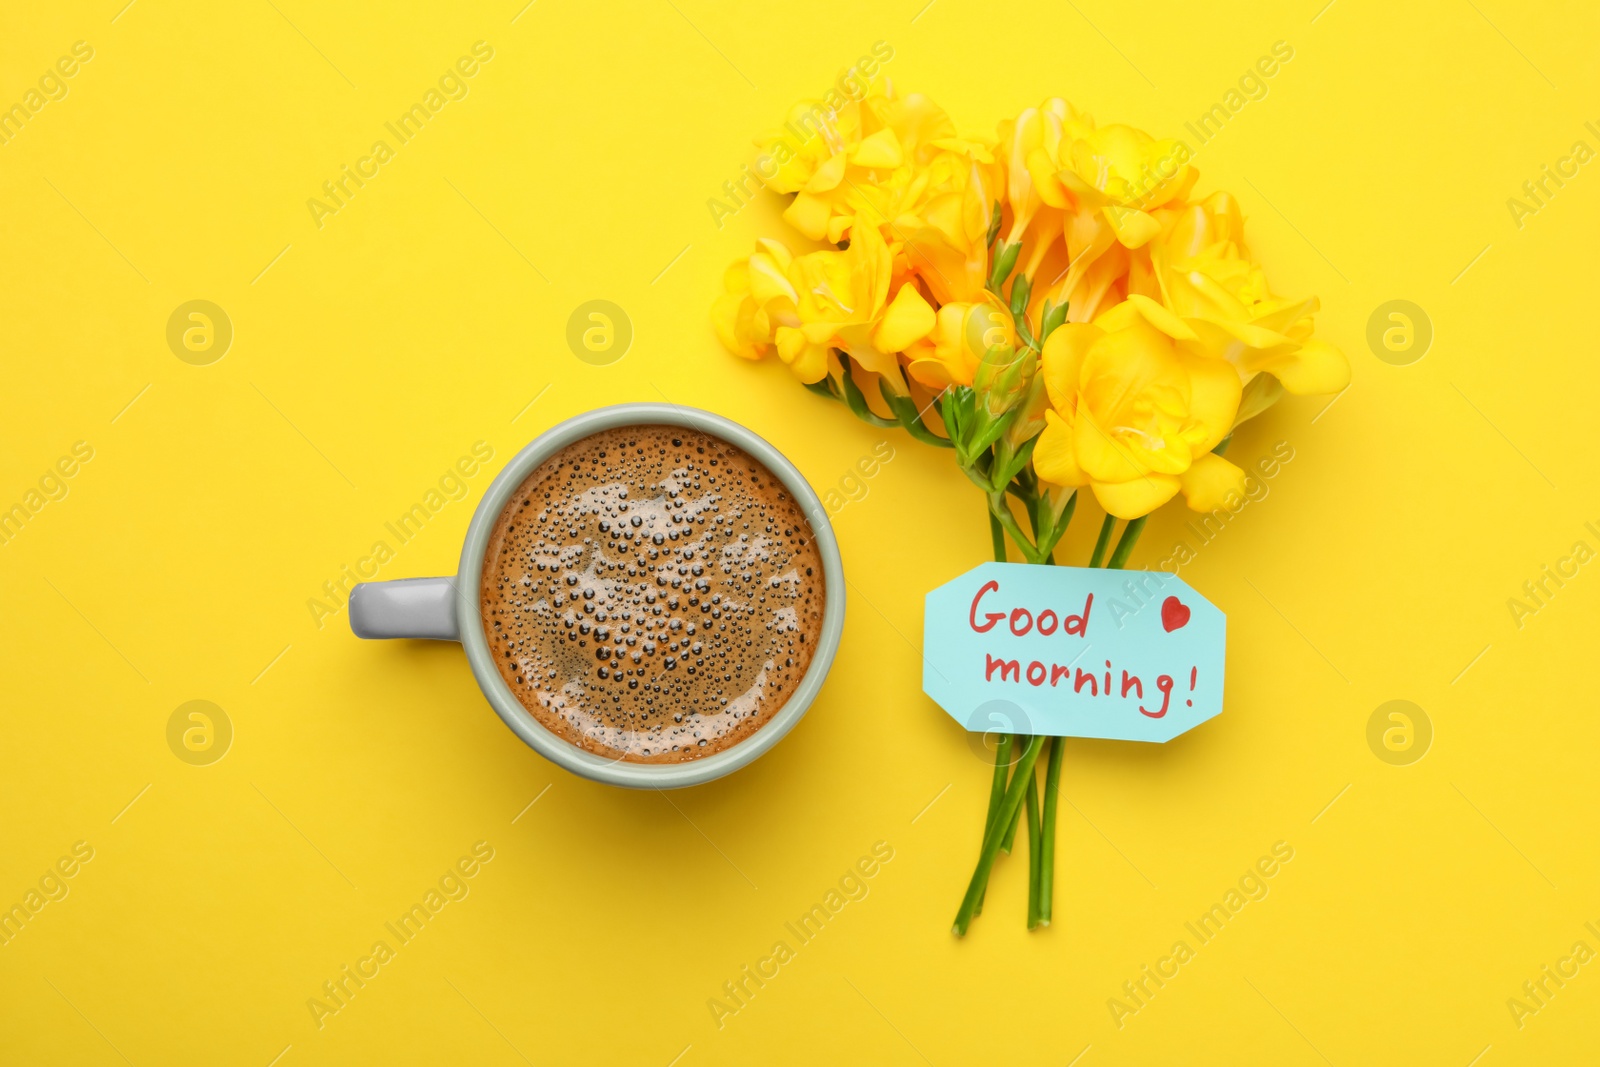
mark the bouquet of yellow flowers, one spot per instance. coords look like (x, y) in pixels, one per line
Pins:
(1053, 304)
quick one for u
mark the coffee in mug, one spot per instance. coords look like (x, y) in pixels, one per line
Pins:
(652, 594)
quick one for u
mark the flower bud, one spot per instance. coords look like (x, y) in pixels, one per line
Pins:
(1005, 260)
(1003, 378)
(1029, 422)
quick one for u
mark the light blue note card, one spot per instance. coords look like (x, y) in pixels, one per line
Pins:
(1073, 652)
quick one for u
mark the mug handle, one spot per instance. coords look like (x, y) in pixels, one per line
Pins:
(406, 607)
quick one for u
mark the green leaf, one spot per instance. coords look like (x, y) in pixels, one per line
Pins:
(823, 388)
(1130, 537)
(957, 409)
(978, 477)
(988, 430)
(1063, 502)
(856, 401)
(1025, 332)
(1009, 464)
(1060, 517)
(1104, 540)
(905, 409)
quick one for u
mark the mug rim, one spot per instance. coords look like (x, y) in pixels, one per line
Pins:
(564, 753)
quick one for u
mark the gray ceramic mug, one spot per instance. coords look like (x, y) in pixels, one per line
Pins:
(448, 609)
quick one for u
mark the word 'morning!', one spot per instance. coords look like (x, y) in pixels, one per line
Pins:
(1037, 673)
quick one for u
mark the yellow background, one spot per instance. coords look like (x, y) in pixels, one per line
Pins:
(432, 309)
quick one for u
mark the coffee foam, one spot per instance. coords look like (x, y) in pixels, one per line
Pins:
(652, 593)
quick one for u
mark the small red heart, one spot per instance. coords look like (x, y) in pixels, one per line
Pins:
(1174, 614)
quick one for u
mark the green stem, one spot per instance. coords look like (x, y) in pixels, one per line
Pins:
(997, 788)
(1040, 901)
(1002, 514)
(1047, 830)
(1016, 818)
(1030, 503)
(991, 844)
(1010, 839)
(1105, 539)
(1130, 536)
(1059, 527)
(997, 792)
(1036, 846)
(1002, 752)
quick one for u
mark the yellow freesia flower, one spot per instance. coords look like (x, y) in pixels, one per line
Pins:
(1109, 181)
(1208, 281)
(1127, 174)
(1134, 415)
(1036, 129)
(1089, 273)
(805, 306)
(841, 297)
(870, 166)
(963, 332)
(811, 135)
(1119, 173)
(943, 217)
(758, 297)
